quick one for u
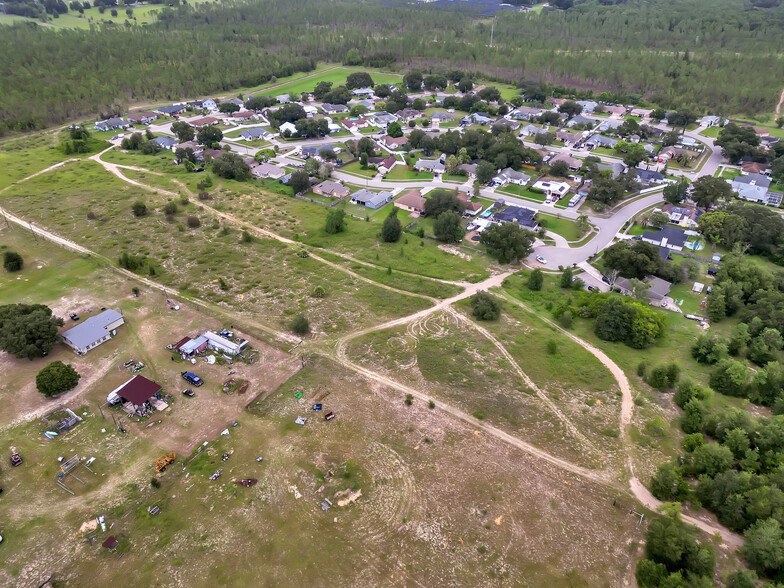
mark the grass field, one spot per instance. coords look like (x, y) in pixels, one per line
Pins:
(298, 83)
(521, 192)
(568, 229)
(401, 172)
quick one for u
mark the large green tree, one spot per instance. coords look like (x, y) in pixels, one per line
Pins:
(448, 227)
(28, 330)
(56, 378)
(508, 242)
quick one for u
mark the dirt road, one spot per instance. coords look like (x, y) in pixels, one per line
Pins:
(780, 104)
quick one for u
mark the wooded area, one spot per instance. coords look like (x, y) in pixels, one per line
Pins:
(720, 55)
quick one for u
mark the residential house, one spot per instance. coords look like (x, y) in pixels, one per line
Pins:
(268, 170)
(712, 121)
(525, 217)
(368, 104)
(684, 216)
(617, 168)
(526, 113)
(569, 138)
(657, 289)
(609, 125)
(439, 117)
(383, 164)
(355, 123)
(411, 201)
(370, 199)
(283, 99)
(530, 131)
(235, 101)
(206, 104)
(668, 237)
(552, 189)
(139, 392)
(573, 163)
(287, 126)
(753, 167)
(256, 133)
(364, 92)
(471, 208)
(476, 118)
(245, 115)
(673, 153)
(641, 112)
(588, 105)
(172, 110)
(142, 117)
(207, 121)
(408, 114)
(469, 168)
(615, 109)
(112, 124)
(382, 118)
(648, 177)
(331, 189)
(223, 345)
(435, 166)
(314, 150)
(393, 143)
(601, 141)
(332, 126)
(310, 110)
(165, 142)
(93, 331)
(511, 125)
(579, 120)
(334, 108)
(510, 176)
(754, 188)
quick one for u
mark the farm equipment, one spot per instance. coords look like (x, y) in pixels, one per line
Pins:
(16, 460)
(163, 461)
(247, 482)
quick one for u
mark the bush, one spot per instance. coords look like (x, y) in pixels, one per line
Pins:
(319, 292)
(336, 222)
(391, 229)
(535, 280)
(193, 222)
(409, 399)
(12, 261)
(155, 483)
(139, 208)
(552, 347)
(486, 306)
(566, 320)
(56, 378)
(247, 237)
(642, 368)
(300, 325)
(170, 209)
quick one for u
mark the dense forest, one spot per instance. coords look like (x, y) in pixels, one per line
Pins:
(722, 56)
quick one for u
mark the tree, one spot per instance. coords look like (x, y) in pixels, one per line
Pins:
(139, 208)
(677, 192)
(485, 171)
(566, 278)
(635, 153)
(56, 378)
(448, 227)
(667, 483)
(12, 261)
(682, 118)
(764, 547)
(707, 191)
(570, 108)
(413, 80)
(465, 85)
(209, 135)
(737, 142)
(486, 306)
(606, 190)
(28, 330)
(321, 90)
(260, 102)
(730, 377)
(339, 95)
(391, 229)
(300, 325)
(231, 166)
(693, 416)
(359, 79)
(435, 82)
(183, 131)
(535, 280)
(335, 222)
(509, 243)
(394, 130)
(299, 181)
(658, 219)
(559, 169)
(228, 107)
(353, 57)
(440, 201)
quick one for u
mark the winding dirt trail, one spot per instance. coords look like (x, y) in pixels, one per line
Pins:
(780, 104)
(638, 490)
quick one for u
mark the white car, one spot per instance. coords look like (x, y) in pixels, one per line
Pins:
(541, 259)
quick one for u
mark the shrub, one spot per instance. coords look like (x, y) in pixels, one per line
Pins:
(552, 347)
(155, 483)
(642, 367)
(319, 292)
(205, 196)
(409, 399)
(300, 325)
(247, 237)
(535, 280)
(431, 404)
(139, 208)
(56, 378)
(486, 306)
(170, 209)
(566, 320)
(193, 222)
(12, 261)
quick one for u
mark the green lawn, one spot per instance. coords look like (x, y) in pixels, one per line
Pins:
(356, 168)
(562, 226)
(520, 191)
(299, 83)
(401, 172)
(711, 132)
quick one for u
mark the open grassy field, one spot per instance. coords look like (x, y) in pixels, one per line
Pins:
(337, 75)
(565, 227)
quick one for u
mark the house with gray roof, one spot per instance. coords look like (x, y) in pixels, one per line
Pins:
(256, 133)
(93, 331)
(267, 170)
(579, 120)
(370, 199)
(165, 142)
(754, 188)
(530, 131)
(435, 166)
(112, 124)
(601, 141)
(609, 125)
(657, 289)
(477, 118)
(170, 110)
(439, 116)
(669, 237)
(334, 108)
(617, 168)
(382, 118)
(510, 176)
(526, 113)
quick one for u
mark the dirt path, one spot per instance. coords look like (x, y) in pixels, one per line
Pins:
(780, 104)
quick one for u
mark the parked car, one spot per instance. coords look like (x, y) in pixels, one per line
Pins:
(74, 316)
(189, 393)
(541, 259)
(192, 378)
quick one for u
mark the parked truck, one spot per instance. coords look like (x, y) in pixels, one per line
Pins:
(192, 378)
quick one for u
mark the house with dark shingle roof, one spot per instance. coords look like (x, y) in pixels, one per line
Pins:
(525, 217)
(669, 237)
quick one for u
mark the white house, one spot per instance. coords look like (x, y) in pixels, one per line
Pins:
(93, 331)
(287, 126)
(552, 189)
